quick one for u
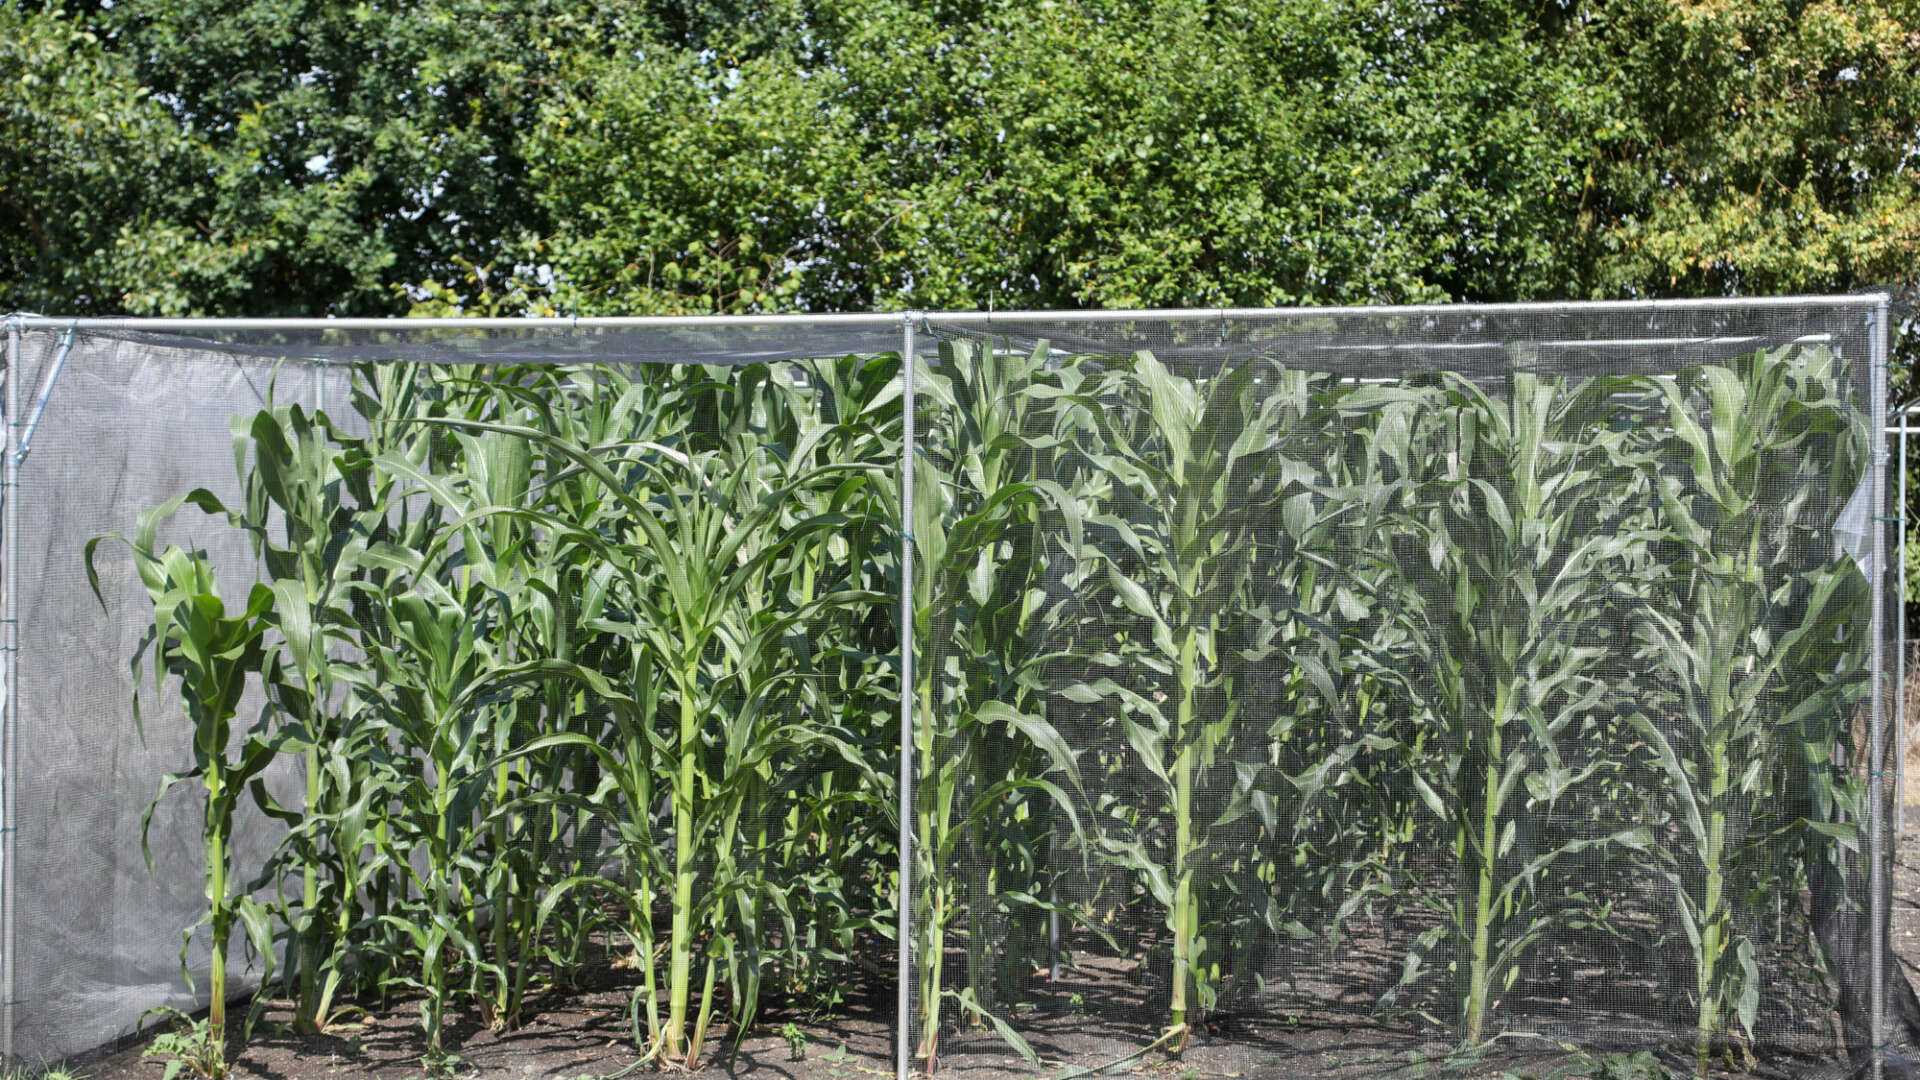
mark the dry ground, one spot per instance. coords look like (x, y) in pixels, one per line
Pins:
(583, 1032)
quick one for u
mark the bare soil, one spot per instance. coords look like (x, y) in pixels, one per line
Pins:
(1096, 1019)
(574, 1032)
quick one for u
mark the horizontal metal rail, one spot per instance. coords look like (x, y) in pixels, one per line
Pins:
(982, 318)
(891, 319)
(611, 322)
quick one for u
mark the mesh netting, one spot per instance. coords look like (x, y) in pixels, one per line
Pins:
(94, 938)
(1318, 693)
(728, 341)
(483, 741)
(1331, 695)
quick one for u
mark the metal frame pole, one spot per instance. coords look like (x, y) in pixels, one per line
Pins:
(1900, 654)
(959, 318)
(876, 319)
(1876, 750)
(10, 710)
(903, 1049)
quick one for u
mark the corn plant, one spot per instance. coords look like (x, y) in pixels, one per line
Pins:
(448, 682)
(696, 547)
(292, 463)
(1743, 602)
(627, 604)
(1277, 651)
(854, 415)
(439, 586)
(533, 565)
(1506, 579)
(1334, 809)
(213, 654)
(977, 604)
(1193, 470)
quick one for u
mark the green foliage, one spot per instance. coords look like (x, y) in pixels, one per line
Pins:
(796, 1041)
(1756, 150)
(1236, 661)
(1736, 568)
(1639, 1065)
(1507, 591)
(1286, 671)
(505, 623)
(993, 768)
(189, 1048)
(1197, 468)
(709, 156)
(45, 1072)
(279, 157)
(213, 655)
(88, 144)
(716, 173)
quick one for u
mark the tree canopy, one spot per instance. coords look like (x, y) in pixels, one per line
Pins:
(353, 157)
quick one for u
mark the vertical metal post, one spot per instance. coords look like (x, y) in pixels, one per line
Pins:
(10, 709)
(903, 1049)
(1900, 653)
(1876, 731)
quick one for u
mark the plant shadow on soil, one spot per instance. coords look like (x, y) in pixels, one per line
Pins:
(584, 1031)
(1098, 1014)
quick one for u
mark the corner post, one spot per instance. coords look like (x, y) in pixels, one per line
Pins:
(10, 694)
(1876, 732)
(903, 1046)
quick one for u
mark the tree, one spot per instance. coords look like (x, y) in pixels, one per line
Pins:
(697, 155)
(1112, 152)
(1765, 147)
(84, 143)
